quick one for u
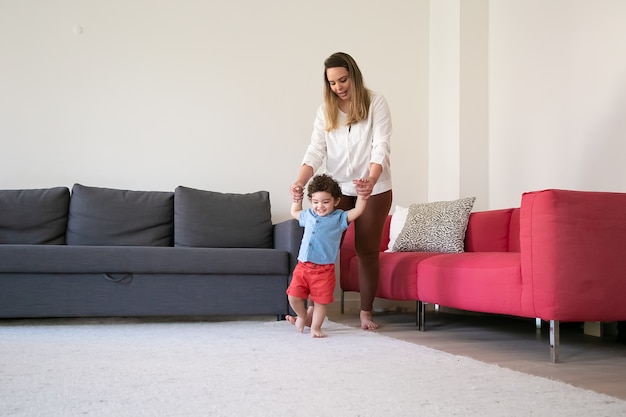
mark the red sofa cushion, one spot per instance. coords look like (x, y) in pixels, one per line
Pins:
(402, 266)
(477, 281)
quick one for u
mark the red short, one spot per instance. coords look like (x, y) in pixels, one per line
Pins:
(315, 280)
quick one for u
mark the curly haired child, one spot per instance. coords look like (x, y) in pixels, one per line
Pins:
(314, 275)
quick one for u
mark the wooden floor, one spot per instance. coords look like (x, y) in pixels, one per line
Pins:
(594, 363)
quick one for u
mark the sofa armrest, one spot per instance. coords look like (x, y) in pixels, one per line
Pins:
(288, 236)
(572, 255)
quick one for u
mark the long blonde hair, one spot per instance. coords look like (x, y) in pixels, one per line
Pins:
(359, 99)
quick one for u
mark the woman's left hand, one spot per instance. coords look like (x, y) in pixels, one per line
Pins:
(364, 187)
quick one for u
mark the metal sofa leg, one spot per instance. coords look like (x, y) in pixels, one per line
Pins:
(417, 314)
(420, 315)
(343, 299)
(554, 341)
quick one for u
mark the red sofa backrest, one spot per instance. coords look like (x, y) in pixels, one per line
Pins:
(514, 245)
(493, 231)
(348, 237)
(487, 231)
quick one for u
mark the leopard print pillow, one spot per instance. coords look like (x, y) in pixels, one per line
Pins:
(435, 227)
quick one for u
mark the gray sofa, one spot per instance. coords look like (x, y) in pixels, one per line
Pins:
(101, 252)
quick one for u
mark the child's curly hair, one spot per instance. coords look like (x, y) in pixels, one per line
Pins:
(326, 183)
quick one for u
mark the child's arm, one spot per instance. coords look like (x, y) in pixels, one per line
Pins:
(296, 208)
(358, 209)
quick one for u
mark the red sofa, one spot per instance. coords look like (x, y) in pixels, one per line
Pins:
(561, 256)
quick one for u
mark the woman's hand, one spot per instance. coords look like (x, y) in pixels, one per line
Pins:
(297, 192)
(364, 186)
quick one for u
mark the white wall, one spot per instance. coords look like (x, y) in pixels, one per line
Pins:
(444, 107)
(489, 98)
(533, 94)
(212, 95)
(557, 96)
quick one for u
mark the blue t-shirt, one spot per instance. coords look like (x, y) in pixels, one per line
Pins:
(322, 236)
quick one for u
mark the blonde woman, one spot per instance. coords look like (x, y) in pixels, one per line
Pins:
(352, 136)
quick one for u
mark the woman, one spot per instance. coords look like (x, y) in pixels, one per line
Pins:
(352, 135)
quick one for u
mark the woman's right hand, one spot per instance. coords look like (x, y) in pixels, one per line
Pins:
(364, 187)
(297, 192)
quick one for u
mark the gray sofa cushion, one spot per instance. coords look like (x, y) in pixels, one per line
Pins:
(222, 220)
(61, 259)
(110, 217)
(37, 216)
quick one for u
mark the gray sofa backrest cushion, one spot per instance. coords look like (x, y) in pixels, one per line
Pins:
(110, 217)
(36, 217)
(222, 220)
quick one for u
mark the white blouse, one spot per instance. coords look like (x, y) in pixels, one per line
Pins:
(349, 150)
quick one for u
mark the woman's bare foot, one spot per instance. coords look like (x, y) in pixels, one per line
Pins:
(367, 321)
(307, 321)
(316, 333)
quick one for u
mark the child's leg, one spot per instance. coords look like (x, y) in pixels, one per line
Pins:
(298, 306)
(309, 315)
(319, 314)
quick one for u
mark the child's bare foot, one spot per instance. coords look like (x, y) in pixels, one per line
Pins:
(308, 320)
(316, 333)
(367, 321)
(300, 324)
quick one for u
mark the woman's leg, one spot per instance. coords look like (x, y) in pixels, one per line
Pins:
(368, 229)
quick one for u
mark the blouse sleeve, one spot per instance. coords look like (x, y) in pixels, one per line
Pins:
(316, 151)
(381, 130)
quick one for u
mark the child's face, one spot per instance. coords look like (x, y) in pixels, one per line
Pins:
(323, 203)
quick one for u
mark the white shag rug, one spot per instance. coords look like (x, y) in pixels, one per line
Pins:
(258, 368)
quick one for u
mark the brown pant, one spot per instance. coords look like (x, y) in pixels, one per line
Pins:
(368, 229)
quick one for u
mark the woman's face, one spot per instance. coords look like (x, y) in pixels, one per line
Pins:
(339, 80)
